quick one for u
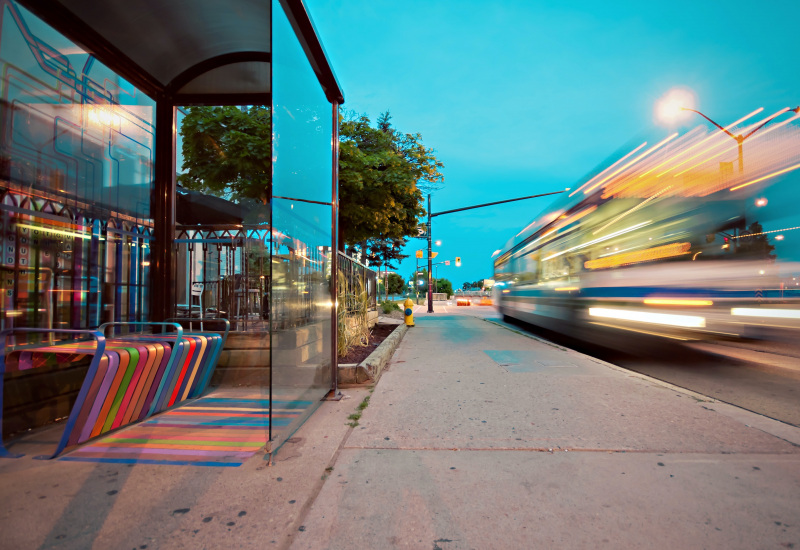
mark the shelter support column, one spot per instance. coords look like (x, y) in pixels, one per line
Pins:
(335, 253)
(163, 208)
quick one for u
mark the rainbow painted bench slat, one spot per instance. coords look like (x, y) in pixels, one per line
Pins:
(130, 378)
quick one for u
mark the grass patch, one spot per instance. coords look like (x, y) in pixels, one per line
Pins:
(356, 416)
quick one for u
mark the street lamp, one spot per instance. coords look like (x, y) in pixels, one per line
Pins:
(741, 138)
(676, 101)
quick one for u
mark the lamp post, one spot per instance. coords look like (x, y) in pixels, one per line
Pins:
(740, 139)
(430, 258)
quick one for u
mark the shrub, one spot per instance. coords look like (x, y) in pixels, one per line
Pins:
(388, 306)
(353, 326)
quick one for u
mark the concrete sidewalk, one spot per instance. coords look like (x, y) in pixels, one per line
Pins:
(481, 437)
(477, 436)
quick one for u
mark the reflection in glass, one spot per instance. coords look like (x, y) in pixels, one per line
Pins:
(76, 175)
(223, 232)
(301, 233)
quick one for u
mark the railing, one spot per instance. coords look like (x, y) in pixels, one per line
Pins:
(472, 293)
(357, 278)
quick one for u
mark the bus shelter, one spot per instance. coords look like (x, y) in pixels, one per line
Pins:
(96, 229)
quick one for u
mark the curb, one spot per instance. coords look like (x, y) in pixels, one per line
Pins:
(370, 369)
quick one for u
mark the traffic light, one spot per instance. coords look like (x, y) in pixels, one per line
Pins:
(419, 253)
(434, 254)
(458, 261)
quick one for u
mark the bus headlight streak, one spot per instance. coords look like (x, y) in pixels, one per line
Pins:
(676, 302)
(773, 313)
(690, 321)
(46, 230)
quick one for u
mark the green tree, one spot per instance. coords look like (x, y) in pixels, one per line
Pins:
(379, 169)
(756, 246)
(473, 285)
(445, 286)
(384, 252)
(394, 283)
(227, 152)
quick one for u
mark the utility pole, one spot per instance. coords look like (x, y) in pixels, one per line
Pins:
(430, 258)
(416, 283)
(430, 230)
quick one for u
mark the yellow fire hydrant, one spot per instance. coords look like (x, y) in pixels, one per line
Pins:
(408, 309)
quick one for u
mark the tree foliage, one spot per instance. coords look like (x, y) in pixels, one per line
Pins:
(227, 152)
(394, 283)
(756, 246)
(445, 286)
(417, 276)
(379, 169)
(385, 252)
(473, 285)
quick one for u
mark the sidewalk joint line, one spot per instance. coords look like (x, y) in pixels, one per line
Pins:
(566, 450)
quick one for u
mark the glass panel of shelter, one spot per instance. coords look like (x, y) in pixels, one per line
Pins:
(76, 178)
(301, 337)
(76, 173)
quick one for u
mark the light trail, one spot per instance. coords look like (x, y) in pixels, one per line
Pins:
(601, 239)
(731, 148)
(772, 175)
(710, 136)
(653, 148)
(607, 169)
(690, 321)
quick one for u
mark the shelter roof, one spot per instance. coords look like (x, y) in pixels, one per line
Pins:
(193, 51)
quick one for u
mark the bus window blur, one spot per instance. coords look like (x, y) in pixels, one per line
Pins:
(688, 239)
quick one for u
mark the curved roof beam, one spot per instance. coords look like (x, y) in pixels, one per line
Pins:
(212, 63)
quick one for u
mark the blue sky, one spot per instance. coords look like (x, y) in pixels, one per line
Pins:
(526, 97)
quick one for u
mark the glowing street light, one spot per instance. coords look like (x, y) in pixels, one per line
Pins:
(671, 106)
(674, 103)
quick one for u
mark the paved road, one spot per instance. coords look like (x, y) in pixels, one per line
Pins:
(760, 376)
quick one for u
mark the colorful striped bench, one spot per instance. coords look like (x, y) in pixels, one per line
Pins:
(130, 377)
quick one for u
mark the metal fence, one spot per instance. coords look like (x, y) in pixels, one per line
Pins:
(355, 277)
(472, 293)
